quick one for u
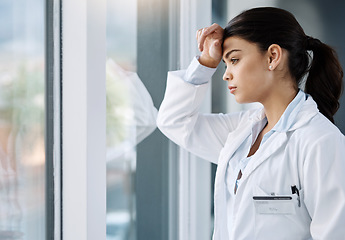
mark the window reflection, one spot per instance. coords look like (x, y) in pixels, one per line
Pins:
(22, 153)
(130, 118)
(120, 155)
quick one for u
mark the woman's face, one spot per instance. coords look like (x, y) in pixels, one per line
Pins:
(247, 70)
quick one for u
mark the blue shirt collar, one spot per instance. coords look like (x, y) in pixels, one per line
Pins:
(285, 122)
(290, 113)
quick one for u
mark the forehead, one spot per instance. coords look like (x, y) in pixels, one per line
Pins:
(236, 43)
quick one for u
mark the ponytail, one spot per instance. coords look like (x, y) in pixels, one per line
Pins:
(325, 79)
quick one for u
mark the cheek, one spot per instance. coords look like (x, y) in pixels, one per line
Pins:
(252, 75)
(255, 69)
(253, 83)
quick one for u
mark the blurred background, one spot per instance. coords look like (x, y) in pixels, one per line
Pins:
(22, 114)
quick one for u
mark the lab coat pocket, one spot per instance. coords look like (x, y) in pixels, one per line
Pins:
(274, 205)
(279, 216)
(302, 216)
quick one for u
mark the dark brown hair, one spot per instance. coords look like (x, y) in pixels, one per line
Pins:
(267, 25)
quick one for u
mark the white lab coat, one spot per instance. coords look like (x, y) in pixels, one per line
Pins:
(310, 154)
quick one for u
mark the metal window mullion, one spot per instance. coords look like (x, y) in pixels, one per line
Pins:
(52, 122)
(173, 168)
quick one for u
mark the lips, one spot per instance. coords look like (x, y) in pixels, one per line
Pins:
(232, 89)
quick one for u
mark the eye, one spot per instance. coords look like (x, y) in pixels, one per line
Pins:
(234, 60)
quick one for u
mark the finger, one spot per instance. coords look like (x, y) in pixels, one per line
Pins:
(208, 31)
(216, 50)
(218, 45)
(199, 33)
(202, 38)
(213, 28)
(203, 33)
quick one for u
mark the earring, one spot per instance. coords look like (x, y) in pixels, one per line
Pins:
(270, 67)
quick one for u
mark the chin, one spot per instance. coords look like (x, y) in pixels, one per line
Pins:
(242, 100)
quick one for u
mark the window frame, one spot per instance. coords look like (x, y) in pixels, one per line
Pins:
(194, 201)
(84, 119)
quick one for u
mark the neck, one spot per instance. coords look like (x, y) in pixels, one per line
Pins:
(276, 104)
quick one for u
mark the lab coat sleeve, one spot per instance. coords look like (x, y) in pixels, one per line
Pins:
(179, 118)
(324, 187)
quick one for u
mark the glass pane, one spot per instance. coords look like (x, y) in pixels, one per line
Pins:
(22, 150)
(121, 130)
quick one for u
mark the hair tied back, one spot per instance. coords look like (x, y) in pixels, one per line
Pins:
(312, 43)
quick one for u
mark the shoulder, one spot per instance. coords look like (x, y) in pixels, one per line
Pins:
(314, 125)
(319, 136)
(320, 128)
(244, 117)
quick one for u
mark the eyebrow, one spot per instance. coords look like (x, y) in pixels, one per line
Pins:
(228, 53)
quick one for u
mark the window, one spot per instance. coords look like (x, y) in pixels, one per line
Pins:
(22, 120)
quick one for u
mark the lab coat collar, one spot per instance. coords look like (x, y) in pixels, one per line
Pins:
(257, 115)
(307, 111)
(301, 109)
(288, 117)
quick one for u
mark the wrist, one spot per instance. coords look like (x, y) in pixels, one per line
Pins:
(208, 62)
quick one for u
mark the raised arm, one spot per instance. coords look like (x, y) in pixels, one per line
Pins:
(179, 118)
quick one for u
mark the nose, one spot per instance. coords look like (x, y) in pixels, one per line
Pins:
(227, 75)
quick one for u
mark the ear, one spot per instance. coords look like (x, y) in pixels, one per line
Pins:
(274, 56)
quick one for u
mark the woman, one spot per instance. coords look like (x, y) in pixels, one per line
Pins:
(281, 168)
